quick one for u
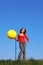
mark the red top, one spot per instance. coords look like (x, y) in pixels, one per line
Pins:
(22, 38)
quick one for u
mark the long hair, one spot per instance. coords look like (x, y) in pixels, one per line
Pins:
(22, 29)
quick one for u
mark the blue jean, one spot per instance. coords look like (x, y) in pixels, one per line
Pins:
(22, 51)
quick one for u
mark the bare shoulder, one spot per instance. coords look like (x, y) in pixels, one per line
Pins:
(21, 34)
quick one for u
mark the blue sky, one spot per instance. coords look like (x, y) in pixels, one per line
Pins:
(15, 14)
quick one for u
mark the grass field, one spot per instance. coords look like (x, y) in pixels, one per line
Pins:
(28, 62)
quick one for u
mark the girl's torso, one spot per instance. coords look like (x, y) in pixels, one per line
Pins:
(21, 37)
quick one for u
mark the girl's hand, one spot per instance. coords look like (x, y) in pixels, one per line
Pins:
(16, 39)
(26, 41)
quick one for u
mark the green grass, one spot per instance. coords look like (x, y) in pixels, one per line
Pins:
(27, 62)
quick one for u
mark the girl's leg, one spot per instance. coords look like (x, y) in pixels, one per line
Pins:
(21, 51)
(24, 52)
(20, 55)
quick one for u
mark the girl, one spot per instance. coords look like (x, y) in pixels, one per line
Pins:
(22, 39)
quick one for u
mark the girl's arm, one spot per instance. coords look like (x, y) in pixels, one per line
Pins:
(27, 39)
(16, 38)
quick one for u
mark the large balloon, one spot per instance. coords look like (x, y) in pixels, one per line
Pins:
(11, 34)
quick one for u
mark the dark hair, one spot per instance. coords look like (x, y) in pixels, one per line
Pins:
(22, 29)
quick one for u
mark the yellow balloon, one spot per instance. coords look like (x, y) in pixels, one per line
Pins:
(11, 34)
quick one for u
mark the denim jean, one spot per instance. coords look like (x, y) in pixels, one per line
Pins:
(22, 51)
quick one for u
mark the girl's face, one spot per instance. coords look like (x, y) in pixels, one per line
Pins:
(23, 30)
